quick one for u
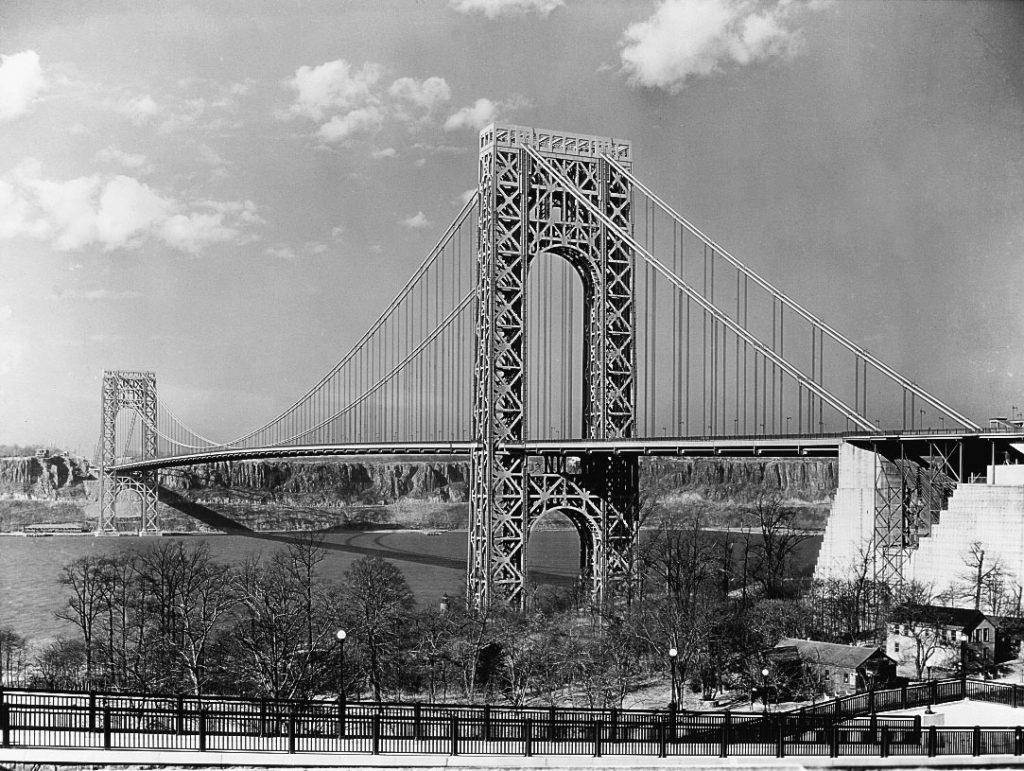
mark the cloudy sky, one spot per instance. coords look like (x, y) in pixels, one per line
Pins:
(226, 192)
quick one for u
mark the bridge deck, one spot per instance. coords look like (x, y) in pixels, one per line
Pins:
(820, 445)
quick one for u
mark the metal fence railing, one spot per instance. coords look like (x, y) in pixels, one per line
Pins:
(42, 719)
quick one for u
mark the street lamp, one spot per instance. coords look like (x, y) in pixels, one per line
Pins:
(341, 634)
(764, 689)
(963, 655)
(672, 653)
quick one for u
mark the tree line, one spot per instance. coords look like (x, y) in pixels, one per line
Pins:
(172, 619)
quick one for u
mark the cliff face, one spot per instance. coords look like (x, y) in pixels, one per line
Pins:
(320, 483)
(325, 483)
(51, 478)
(741, 480)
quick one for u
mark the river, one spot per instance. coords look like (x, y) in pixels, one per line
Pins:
(30, 589)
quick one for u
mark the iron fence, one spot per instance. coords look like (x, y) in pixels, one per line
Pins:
(834, 728)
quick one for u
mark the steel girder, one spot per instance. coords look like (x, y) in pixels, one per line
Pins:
(522, 214)
(136, 391)
(912, 488)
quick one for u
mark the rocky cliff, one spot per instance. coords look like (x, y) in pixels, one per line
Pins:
(53, 478)
(296, 495)
(320, 483)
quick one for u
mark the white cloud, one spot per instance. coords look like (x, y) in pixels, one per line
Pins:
(139, 109)
(347, 100)
(418, 220)
(476, 116)
(113, 212)
(341, 127)
(694, 38)
(427, 94)
(132, 161)
(281, 252)
(387, 152)
(465, 195)
(96, 294)
(193, 232)
(21, 81)
(494, 8)
(333, 86)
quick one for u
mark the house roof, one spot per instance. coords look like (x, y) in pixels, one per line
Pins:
(816, 652)
(943, 615)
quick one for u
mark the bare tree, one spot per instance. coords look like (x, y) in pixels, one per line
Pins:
(13, 657)
(84, 577)
(780, 538)
(984, 577)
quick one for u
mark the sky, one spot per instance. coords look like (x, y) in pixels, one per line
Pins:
(227, 192)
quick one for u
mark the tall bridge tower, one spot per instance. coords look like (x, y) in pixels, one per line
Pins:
(524, 213)
(135, 392)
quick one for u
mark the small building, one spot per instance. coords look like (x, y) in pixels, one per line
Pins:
(831, 668)
(932, 641)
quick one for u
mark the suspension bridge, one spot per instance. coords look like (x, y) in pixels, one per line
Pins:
(568, 322)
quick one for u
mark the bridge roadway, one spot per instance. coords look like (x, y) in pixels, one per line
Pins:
(782, 446)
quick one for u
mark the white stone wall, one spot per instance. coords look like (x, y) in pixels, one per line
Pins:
(851, 519)
(991, 514)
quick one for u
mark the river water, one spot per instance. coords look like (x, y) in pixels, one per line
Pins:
(30, 590)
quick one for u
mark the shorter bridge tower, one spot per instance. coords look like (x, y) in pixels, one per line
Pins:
(134, 391)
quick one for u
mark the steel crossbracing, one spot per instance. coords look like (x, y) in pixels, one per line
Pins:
(569, 307)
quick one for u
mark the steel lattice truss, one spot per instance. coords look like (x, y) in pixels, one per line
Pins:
(134, 391)
(523, 214)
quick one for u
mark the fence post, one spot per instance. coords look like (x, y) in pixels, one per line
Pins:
(551, 723)
(179, 715)
(1018, 741)
(5, 724)
(871, 699)
(92, 710)
(903, 697)
(106, 725)
(873, 727)
(837, 710)
(1014, 687)
(291, 730)
(375, 734)
(417, 714)
(487, 722)
(528, 734)
(455, 735)
(833, 743)
(662, 750)
(933, 741)
(976, 748)
(263, 717)
(613, 729)
(883, 746)
(341, 718)
(933, 692)
(723, 750)
(780, 739)
(202, 729)
(597, 726)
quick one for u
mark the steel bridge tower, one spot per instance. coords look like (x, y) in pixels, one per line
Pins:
(522, 214)
(134, 391)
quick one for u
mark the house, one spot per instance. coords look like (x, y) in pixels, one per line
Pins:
(937, 640)
(834, 669)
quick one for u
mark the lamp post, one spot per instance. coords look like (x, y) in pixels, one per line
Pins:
(341, 634)
(963, 655)
(764, 689)
(672, 654)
